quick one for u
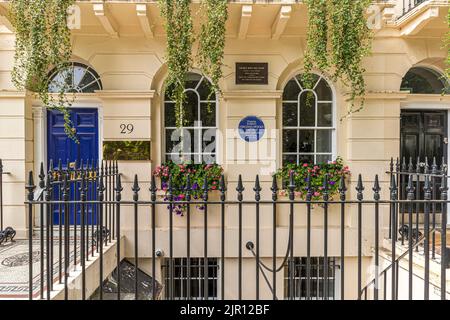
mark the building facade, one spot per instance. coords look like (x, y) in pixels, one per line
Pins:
(119, 74)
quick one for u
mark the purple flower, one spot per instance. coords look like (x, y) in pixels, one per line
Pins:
(195, 186)
(332, 183)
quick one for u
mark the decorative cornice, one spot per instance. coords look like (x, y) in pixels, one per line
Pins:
(13, 94)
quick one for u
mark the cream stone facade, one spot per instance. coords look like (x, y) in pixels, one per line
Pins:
(124, 42)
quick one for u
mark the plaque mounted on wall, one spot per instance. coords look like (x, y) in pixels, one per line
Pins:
(252, 73)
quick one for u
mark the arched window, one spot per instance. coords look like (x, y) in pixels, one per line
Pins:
(77, 77)
(424, 81)
(308, 122)
(196, 140)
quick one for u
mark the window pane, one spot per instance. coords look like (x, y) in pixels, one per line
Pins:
(306, 159)
(169, 143)
(291, 91)
(87, 79)
(169, 114)
(321, 158)
(289, 140)
(209, 140)
(208, 114)
(192, 80)
(306, 142)
(307, 109)
(290, 114)
(323, 91)
(190, 109)
(422, 80)
(314, 77)
(205, 91)
(325, 115)
(289, 159)
(323, 140)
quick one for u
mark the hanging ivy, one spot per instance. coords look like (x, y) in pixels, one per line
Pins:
(338, 40)
(212, 41)
(179, 31)
(42, 43)
(447, 45)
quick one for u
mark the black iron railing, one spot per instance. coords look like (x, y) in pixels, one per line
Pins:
(409, 5)
(95, 194)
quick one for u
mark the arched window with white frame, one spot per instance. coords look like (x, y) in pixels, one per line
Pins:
(74, 78)
(195, 141)
(308, 122)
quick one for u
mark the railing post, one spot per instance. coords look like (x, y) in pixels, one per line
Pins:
(119, 190)
(426, 245)
(359, 189)
(41, 218)
(342, 191)
(66, 195)
(30, 187)
(223, 190)
(136, 190)
(100, 230)
(1, 194)
(257, 189)
(376, 196)
(434, 171)
(240, 189)
(291, 188)
(309, 194)
(171, 205)
(325, 234)
(51, 219)
(444, 257)
(153, 190)
(83, 190)
(410, 196)
(49, 236)
(274, 190)
(205, 238)
(393, 206)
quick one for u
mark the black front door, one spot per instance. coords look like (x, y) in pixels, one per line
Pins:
(424, 134)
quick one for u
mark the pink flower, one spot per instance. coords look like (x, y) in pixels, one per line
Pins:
(316, 194)
(305, 165)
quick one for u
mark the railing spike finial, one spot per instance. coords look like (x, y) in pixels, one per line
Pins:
(427, 166)
(410, 188)
(360, 188)
(410, 165)
(376, 189)
(118, 188)
(443, 166)
(41, 176)
(60, 165)
(325, 188)
(136, 188)
(427, 188)
(397, 165)
(240, 188)
(418, 165)
(309, 188)
(222, 188)
(274, 188)
(404, 164)
(434, 166)
(30, 186)
(342, 188)
(205, 188)
(257, 189)
(66, 187)
(50, 166)
(188, 188)
(393, 188)
(170, 189)
(83, 186)
(291, 186)
(391, 165)
(153, 188)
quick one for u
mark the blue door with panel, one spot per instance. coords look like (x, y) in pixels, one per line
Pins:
(60, 146)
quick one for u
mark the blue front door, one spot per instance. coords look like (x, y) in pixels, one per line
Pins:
(59, 146)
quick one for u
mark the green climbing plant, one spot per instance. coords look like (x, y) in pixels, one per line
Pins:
(212, 41)
(447, 45)
(179, 29)
(338, 40)
(43, 43)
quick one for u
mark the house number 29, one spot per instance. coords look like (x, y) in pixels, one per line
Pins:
(126, 128)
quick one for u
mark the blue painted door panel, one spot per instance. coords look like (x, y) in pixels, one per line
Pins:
(59, 146)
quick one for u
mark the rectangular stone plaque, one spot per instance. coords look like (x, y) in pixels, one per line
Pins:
(126, 150)
(252, 73)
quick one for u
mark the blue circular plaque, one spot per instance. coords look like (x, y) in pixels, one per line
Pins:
(251, 129)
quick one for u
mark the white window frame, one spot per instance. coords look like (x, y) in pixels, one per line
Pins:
(193, 154)
(315, 128)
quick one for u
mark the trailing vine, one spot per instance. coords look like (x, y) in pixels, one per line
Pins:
(179, 31)
(42, 43)
(212, 41)
(447, 45)
(338, 40)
